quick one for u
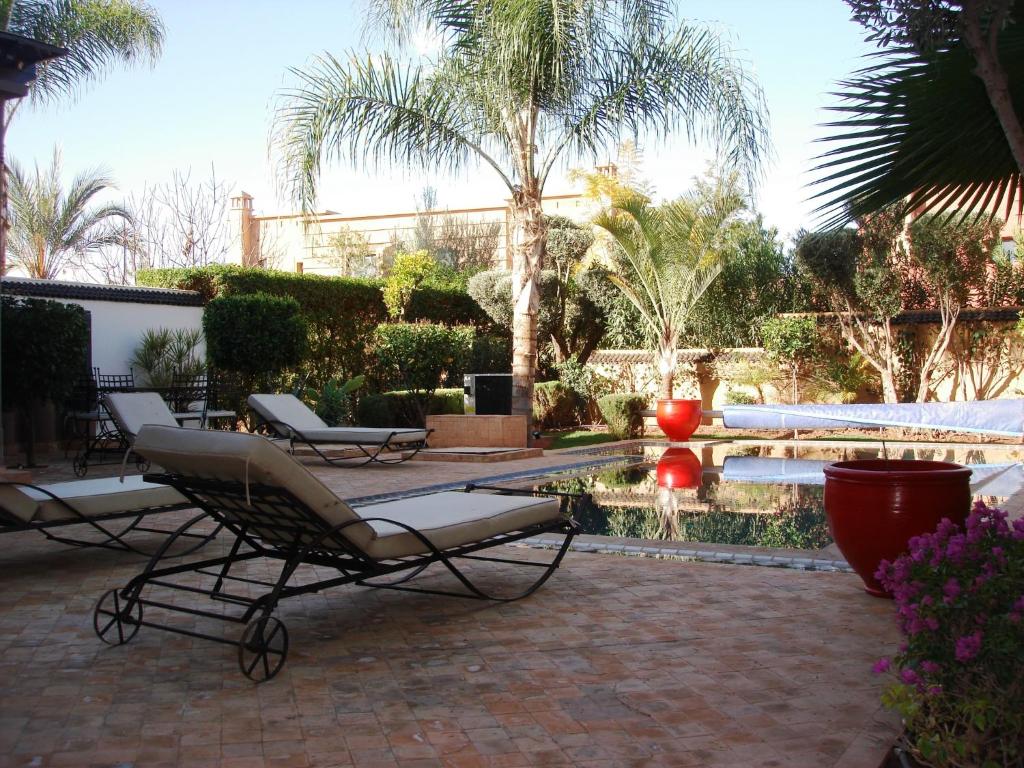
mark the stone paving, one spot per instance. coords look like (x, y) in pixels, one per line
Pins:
(617, 661)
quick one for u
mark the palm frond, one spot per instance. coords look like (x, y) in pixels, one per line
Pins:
(919, 131)
(373, 112)
(99, 34)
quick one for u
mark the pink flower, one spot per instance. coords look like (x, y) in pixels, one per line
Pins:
(951, 589)
(929, 667)
(968, 646)
(909, 676)
(881, 666)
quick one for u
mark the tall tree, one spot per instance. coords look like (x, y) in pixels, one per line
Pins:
(520, 86)
(53, 228)
(98, 35)
(899, 142)
(667, 257)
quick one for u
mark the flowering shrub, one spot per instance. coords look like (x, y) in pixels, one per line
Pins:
(960, 673)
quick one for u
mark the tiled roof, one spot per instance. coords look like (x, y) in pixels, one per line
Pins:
(59, 289)
(626, 356)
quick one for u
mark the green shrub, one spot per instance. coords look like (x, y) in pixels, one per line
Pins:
(333, 403)
(622, 414)
(448, 306)
(254, 334)
(408, 272)
(419, 358)
(554, 405)
(45, 350)
(399, 408)
(164, 354)
(341, 312)
(490, 354)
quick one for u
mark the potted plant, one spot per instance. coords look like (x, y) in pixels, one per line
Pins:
(667, 256)
(875, 506)
(959, 684)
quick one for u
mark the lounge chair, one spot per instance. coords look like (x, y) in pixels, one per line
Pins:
(93, 504)
(277, 510)
(128, 411)
(290, 418)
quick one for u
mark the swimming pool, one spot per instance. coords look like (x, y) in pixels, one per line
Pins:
(748, 498)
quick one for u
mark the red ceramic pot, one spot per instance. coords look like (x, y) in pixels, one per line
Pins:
(875, 506)
(679, 418)
(679, 468)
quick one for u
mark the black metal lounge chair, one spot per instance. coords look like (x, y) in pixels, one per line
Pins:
(290, 418)
(93, 505)
(278, 511)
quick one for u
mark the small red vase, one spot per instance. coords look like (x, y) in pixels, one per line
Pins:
(679, 418)
(679, 468)
(875, 506)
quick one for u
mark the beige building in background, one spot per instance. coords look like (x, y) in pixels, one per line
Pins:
(307, 244)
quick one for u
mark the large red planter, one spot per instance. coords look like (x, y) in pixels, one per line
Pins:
(679, 418)
(875, 506)
(679, 468)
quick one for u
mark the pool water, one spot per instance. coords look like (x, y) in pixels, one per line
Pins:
(752, 493)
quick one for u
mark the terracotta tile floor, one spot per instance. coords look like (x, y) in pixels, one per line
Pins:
(616, 662)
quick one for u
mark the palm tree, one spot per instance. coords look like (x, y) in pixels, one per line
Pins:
(920, 129)
(97, 33)
(52, 228)
(667, 256)
(519, 86)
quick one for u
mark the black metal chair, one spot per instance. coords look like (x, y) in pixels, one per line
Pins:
(278, 511)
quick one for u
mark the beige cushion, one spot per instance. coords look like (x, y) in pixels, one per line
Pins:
(446, 519)
(452, 518)
(92, 498)
(363, 435)
(133, 410)
(288, 409)
(217, 455)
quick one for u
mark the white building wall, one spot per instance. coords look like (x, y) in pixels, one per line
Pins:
(117, 328)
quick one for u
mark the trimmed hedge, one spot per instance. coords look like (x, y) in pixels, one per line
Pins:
(398, 408)
(554, 405)
(342, 312)
(622, 414)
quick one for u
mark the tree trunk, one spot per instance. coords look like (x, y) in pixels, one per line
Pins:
(889, 391)
(528, 239)
(667, 369)
(990, 71)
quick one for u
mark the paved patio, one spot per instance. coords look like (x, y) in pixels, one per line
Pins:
(616, 662)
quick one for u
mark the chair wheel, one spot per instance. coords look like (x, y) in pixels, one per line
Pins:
(142, 464)
(263, 648)
(80, 466)
(116, 619)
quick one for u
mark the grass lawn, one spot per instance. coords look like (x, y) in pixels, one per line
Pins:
(579, 439)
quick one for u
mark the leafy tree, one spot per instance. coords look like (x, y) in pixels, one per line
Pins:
(757, 282)
(417, 357)
(899, 143)
(792, 341)
(666, 259)
(856, 273)
(45, 349)
(518, 87)
(97, 33)
(53, 228)
(953, 256)
(410, 270)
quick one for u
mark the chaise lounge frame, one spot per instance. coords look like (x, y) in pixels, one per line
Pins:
(274, 524)
(389, 451)
(108, 538)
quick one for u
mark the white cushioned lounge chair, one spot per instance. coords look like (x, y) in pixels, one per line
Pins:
(277, 510)
(290, 418)
(129, 411)
(92, 504)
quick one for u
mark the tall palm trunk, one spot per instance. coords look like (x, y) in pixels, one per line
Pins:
(529, 233)
(667, 358)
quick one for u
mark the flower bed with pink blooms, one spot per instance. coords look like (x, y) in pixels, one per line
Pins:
(959, 597)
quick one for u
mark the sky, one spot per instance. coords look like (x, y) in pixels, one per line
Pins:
(209, 101)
